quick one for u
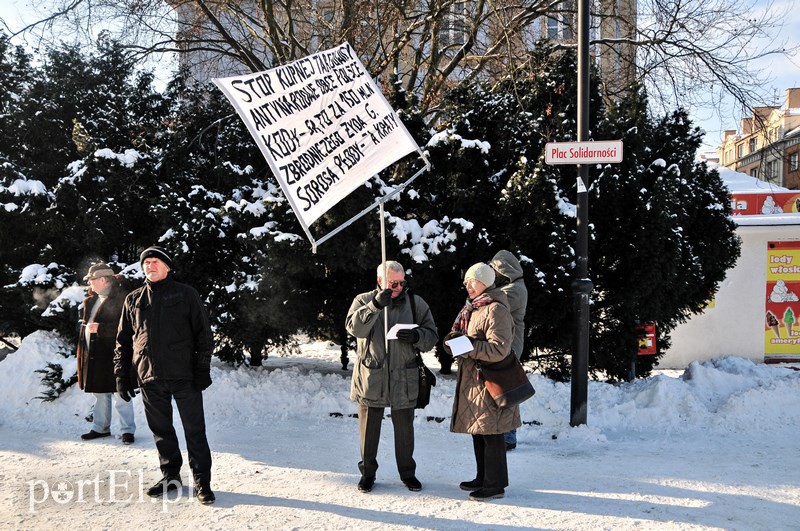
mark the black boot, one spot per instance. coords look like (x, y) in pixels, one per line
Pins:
(164, 485)
(203, 493)
(474, 484)
(487, 494)
(365, 484)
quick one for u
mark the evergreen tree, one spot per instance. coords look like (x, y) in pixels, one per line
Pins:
(677, 243)
(129, 167)
(102, 204)
(86, 122)
(488, 167)
(23, 198)
(489, 190)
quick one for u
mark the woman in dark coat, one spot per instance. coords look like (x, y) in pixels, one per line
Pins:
(487, 322)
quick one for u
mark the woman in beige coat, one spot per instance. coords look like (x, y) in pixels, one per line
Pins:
(487, 321)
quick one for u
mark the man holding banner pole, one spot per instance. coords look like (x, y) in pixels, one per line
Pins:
(385, 372)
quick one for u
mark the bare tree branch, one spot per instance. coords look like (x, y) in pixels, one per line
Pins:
(685, 52)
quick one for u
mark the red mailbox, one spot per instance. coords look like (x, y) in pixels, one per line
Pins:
(647, 338)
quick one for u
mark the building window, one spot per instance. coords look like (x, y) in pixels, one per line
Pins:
(459, 23)
(740, 151)
(561, 24)
(754, 173)
(793, 161)
(454, 26)
(567, 18)
(552, 28)
(753, 145)
(771, 170)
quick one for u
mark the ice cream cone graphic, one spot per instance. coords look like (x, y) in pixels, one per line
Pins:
(788, 320)
(772, 322)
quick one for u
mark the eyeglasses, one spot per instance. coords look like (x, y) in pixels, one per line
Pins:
(394, 283)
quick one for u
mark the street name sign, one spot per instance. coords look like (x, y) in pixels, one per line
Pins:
(592, 152)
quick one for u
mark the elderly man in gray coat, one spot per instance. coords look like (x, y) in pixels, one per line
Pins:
(385, 372)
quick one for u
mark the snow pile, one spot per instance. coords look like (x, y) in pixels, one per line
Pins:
(741, 182)
(712, 447)
(722, 395)
(20, 385)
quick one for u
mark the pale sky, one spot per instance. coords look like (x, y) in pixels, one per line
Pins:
(784, 71)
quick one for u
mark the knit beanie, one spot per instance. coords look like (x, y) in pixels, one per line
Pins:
(155, 252)
(482, 273)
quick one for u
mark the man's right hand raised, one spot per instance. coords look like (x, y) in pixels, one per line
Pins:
(383, 298)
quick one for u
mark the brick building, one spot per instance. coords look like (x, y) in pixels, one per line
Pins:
(768, 145)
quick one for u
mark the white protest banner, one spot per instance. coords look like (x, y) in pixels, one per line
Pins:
(322, 124)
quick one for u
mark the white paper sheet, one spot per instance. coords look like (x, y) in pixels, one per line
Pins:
(399, 326)
(459, 345)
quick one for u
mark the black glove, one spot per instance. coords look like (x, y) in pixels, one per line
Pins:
(409, 335)
(383, 298)
(125, 389)
(202, 378)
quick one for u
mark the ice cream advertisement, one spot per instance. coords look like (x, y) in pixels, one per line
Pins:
(782, 308)
(760, 203)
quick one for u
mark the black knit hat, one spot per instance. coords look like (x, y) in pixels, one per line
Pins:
(155, 252)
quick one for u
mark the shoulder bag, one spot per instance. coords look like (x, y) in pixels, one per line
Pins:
(426, 381)
(506, 381)
(426, 377)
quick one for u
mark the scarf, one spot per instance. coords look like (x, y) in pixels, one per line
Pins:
(462, 320)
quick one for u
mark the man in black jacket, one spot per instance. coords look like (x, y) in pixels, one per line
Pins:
(165, 334)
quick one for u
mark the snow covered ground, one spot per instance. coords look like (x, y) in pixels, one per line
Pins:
(714, 447)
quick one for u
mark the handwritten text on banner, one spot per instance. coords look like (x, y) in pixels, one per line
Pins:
(322, 124)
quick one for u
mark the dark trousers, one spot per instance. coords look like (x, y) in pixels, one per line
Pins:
(369, 425)
(490, 459)
(157, 398)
